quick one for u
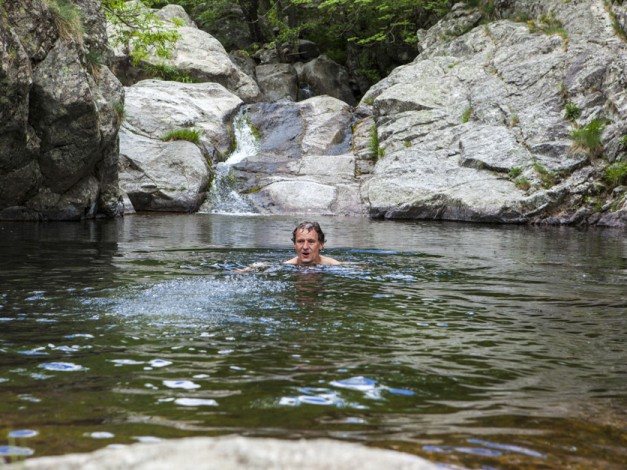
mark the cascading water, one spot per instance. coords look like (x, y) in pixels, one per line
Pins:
(223, 197)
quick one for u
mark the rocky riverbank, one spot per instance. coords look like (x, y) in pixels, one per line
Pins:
(506, 121)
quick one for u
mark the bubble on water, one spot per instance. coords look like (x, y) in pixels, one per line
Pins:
(184, 384)
(289, 401)
(15, 451)
(400, 391)
(79, 335)
(69, 349)
(147, 439)
(29, 397)
(34, 352)
(126, 362)
(61, 366)
(323, 399)
(100, 435)
(159, 363)
(226, 351)
(201, 376)
(361, 384)
(23, 433)
(196, 402)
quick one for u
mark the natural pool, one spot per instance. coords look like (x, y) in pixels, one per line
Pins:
(478, 346)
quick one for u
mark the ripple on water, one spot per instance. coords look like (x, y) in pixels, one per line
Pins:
(15, 451)
(61, 366)
(368, 387)
(18, 433)
(184, 384)
(196, 402)
(100, 435)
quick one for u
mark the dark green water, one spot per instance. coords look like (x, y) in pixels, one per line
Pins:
(478, 346)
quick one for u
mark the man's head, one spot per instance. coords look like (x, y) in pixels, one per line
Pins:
(308, 240)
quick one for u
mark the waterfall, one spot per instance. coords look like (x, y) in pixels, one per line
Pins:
(223, 197)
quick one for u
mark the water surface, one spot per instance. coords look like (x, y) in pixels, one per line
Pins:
(478, 346)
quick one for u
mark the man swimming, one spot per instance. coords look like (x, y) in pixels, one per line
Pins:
(308, 239)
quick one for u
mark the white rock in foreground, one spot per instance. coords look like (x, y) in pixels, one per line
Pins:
(230, 453)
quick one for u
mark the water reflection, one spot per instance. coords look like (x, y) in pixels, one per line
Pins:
(461, 343)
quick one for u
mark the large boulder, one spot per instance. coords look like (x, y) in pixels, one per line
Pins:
(60, 116)
(196, 54)
(476, 129)
(172, 175)
(324, 76)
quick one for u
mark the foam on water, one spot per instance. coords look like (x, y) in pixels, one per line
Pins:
(214, 300)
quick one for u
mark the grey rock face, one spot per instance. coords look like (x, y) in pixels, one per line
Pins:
(58, 130)
(472, 111)
(162, 175)
(303, 163)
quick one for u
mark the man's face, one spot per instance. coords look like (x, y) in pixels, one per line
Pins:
(307, 246)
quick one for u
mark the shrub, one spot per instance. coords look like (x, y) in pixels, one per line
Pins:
(374, 143)
(547, 177)
(571, 111)
(616, 174)
(515, 172)
(467, 114)
(67, 19)
(548, 24)
(522, 183)
(588, 137)
(191, 135)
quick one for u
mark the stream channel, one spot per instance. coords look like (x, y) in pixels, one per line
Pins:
(469, 345)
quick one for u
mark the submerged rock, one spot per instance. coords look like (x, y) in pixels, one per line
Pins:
(234, 453)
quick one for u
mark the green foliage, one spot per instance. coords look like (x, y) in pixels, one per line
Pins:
(514, 120)
(118, 108)
(522, 183)
(548, 24)
(67, 19)
(615, 174)
(515, 172)
(467, 114)
(623, 140)
(138, 30)
(548, 178)
(191, 135)
(168, 73)
(374, 148)
(571, 111)
(588, 137)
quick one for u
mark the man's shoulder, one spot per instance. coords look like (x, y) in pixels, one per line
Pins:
(328, 261)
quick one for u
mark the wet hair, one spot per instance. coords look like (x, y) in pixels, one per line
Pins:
(308, 226)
